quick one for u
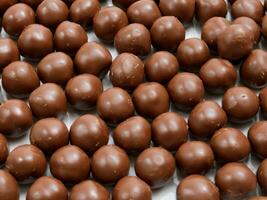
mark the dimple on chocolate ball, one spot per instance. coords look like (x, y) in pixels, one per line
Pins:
(167, 33)
(155, 166)
(48, 188)
(4, 150)
(262, 176)
(264, 26)
(133, 38)
(89, 132)
(57, 11)
(149, 94)
(35, 41)
(240, 104)
(49, 134)
(70, 164)
(16, 18)
(9, 52)
(9, 188)
(263, 101)
(48, 100)
(82, 91)
(112, 17)
(26, 162)
(127, 71)
(109, 164)
(32, 3)
(5, 4)
(56, 68)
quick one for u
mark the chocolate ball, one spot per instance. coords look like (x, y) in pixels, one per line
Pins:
(115, 105)
(57, 11)
(70, 164)
(186, 90)
(17, 17)
(235, 180)
(192, 54)
(19, 79)
(49, 134)
(3, 149)
(264, 26)
(144, 12)
(56, 68)
(240, 104)
(133, 134)
(218, 75)
(15, 118)
(183, 10)
(89, 190)
(47, 188)
(167, 33)
(5, 4)
(112, 17)
(109, 164)
(69, 37)
(35, 41)
(146, 95)
(206, 118)
(89, 132)
(169, 130)
(133, 38)
(155, 166)
(93, 58)
(26, 162)
(253, 71)
(263, 101)
(262, 175)
(82, 91)
(83, 11)
(131, 187)
(48, 100)
(230, 145)
(9, 188)
(235, 42)
(258, 198)
(9, 52)
(156, 65)
(127, 71)
(32, 3)
(197, 187)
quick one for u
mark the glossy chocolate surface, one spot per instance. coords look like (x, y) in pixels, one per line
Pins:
(262, 176)
(9, 52)
(4, 150)
(264, 26)
(5, 4)
(9, 188)
(263, 101)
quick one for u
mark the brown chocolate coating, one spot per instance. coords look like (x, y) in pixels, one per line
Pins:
(262, 176)
(155, 166)
(156, 65)
(253, 71)
(82, 91)
(49, 134)
(35, 41)
(183, 10)
(48, 100)
(90, 190)
(32, 3)
(89, 132)
(57, 11)
(123, 3)
(15, 118)
(192, 54)
(3, 149)
(264, 26)
(230, 145)
(258, 198)
(9, 52)
(167, 33)
(127, 71)
(56, 68)
(133, 134)
(218, 75)
(169, 130)
(5, 4)
(186, 90)
(197, 187)
(47, 188)
(131, 187)
(263, 101)
(115, 105)
(240, 104)
(26, 162)
(133, 38)
(93, 58)
(70, 164)
(109, 164)
(69, 37)
(149, 94)
(17, 17)
(9, 189)
(206, 118)
(235, 180)
(19, 79)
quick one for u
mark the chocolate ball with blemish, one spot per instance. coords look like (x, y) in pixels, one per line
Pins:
(9, 188)
(4, 150)
(9, 52)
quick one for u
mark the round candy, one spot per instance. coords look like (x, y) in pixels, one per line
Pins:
(9, 188)
(262, 175)
(5, 4)
(263, 101)
(3, 149)
(9, 52)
